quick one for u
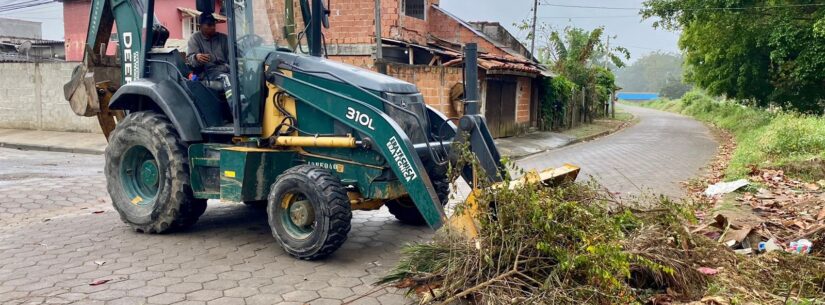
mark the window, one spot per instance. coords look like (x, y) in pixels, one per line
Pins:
(190, 26)
(414, 8)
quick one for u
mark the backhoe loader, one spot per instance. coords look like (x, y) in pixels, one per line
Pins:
(309, 138)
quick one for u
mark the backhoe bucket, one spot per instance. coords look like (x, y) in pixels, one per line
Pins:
(466, 223)
(81, 92)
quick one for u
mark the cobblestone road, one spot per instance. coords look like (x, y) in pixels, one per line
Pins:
(655, 155)
(58, 232)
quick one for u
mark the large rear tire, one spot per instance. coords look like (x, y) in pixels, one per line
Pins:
(404, 208)
(309, 212)
(147, 174)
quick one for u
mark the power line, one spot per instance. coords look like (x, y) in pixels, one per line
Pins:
(589, 17)
(687, 9)
(23, 4)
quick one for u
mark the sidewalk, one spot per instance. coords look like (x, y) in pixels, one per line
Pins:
(532, 143)
(71, 142)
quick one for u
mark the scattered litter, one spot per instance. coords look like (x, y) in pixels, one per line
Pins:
(725, 187)
(100, 263)
(99, 282)
(802, 246)
(707, 270)
(46, 219)
(744, 251)
(769, 246)
(98, 212)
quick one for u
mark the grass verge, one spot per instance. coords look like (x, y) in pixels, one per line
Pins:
(766, 139)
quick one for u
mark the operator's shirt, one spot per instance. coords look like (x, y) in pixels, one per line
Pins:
(216, 46)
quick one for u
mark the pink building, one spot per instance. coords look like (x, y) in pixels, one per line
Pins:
(178, 16)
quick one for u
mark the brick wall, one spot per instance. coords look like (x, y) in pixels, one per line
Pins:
(433, 82)
(31, 97)
(524, 93)
(365, 62)
(446, 27)
(353, 22)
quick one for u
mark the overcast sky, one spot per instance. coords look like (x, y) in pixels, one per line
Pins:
(620, 18)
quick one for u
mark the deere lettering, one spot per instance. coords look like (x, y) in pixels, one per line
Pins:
(401, 160)
(130, 68)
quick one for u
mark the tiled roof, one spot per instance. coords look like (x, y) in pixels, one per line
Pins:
(493, 62)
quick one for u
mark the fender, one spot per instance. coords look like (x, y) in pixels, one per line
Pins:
(164, 96)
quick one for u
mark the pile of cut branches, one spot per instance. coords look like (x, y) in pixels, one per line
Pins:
(577, 244)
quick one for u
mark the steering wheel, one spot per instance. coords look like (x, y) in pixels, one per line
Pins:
(249, 41)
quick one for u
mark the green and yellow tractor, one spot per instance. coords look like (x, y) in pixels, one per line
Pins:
(309, 138)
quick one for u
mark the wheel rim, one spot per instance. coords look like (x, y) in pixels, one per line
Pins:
(140, 176)
(298, 215)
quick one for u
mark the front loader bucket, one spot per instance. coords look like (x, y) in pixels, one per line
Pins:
(81, 92)
(466, 222)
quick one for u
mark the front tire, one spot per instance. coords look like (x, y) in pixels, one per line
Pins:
(404, 208)
(309, 212)
(147, 174)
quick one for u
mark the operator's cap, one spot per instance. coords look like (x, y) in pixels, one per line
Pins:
(206, 19)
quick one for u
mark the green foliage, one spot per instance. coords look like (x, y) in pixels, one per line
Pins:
(556, 92)
(578, 57)
(762, 53)
(765, 139)
(575, 53)
(654, 72)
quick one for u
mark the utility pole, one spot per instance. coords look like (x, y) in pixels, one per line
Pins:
(533, 30)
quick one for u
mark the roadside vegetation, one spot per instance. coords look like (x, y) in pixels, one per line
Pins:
(578, 244)
(767, 138)
(582, 88)
(762, 53)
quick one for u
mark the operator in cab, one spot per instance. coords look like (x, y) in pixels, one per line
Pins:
(207, 54)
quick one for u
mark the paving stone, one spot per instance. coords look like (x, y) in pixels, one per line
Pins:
(263, 299)
(226, 301)
(167, 298)
(204, 295)
(184, 287)
(240, 292)
(301, 296)
(146, 291)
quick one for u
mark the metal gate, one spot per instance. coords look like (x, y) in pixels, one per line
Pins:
(500, 110)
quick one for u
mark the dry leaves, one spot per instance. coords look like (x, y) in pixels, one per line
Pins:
(784, 208)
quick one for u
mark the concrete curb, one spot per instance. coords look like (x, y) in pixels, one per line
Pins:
(585, 139)
(36, 147)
